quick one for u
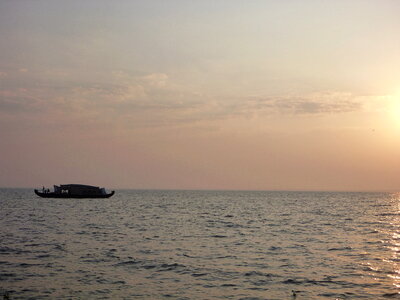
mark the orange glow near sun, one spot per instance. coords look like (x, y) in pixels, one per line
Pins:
(394, 109)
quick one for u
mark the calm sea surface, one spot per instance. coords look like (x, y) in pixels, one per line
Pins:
(200, 245)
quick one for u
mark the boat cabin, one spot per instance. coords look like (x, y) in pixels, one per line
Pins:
(78, 189)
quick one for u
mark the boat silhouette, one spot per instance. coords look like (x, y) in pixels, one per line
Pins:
(74, 191)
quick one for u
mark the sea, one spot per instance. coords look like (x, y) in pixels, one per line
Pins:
(155, 244)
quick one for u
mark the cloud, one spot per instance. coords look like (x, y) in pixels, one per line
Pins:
(19, 100)
(316, 103)
(156, 99)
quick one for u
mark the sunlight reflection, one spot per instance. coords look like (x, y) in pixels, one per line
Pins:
(394, 242)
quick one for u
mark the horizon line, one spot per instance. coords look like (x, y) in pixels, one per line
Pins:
(237, 190)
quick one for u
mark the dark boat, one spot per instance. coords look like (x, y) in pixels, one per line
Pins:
(74, 191)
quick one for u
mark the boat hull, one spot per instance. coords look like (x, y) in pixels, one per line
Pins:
(58, 195)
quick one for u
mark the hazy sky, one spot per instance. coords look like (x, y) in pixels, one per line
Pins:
(270, 95)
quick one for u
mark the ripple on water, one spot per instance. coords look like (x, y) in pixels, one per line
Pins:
(187, 244)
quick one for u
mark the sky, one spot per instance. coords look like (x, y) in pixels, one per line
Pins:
(211, 94)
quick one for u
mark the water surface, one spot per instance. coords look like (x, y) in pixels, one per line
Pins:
(200, 245)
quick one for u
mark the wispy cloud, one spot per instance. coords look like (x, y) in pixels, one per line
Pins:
(315, 103)
(155, 99)
(19, 100)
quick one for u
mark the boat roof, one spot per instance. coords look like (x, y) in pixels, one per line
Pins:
(82, 186)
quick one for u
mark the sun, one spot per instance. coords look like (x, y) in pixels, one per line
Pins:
(394, 108)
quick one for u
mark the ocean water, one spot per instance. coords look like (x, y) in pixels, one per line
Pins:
(200, 245)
